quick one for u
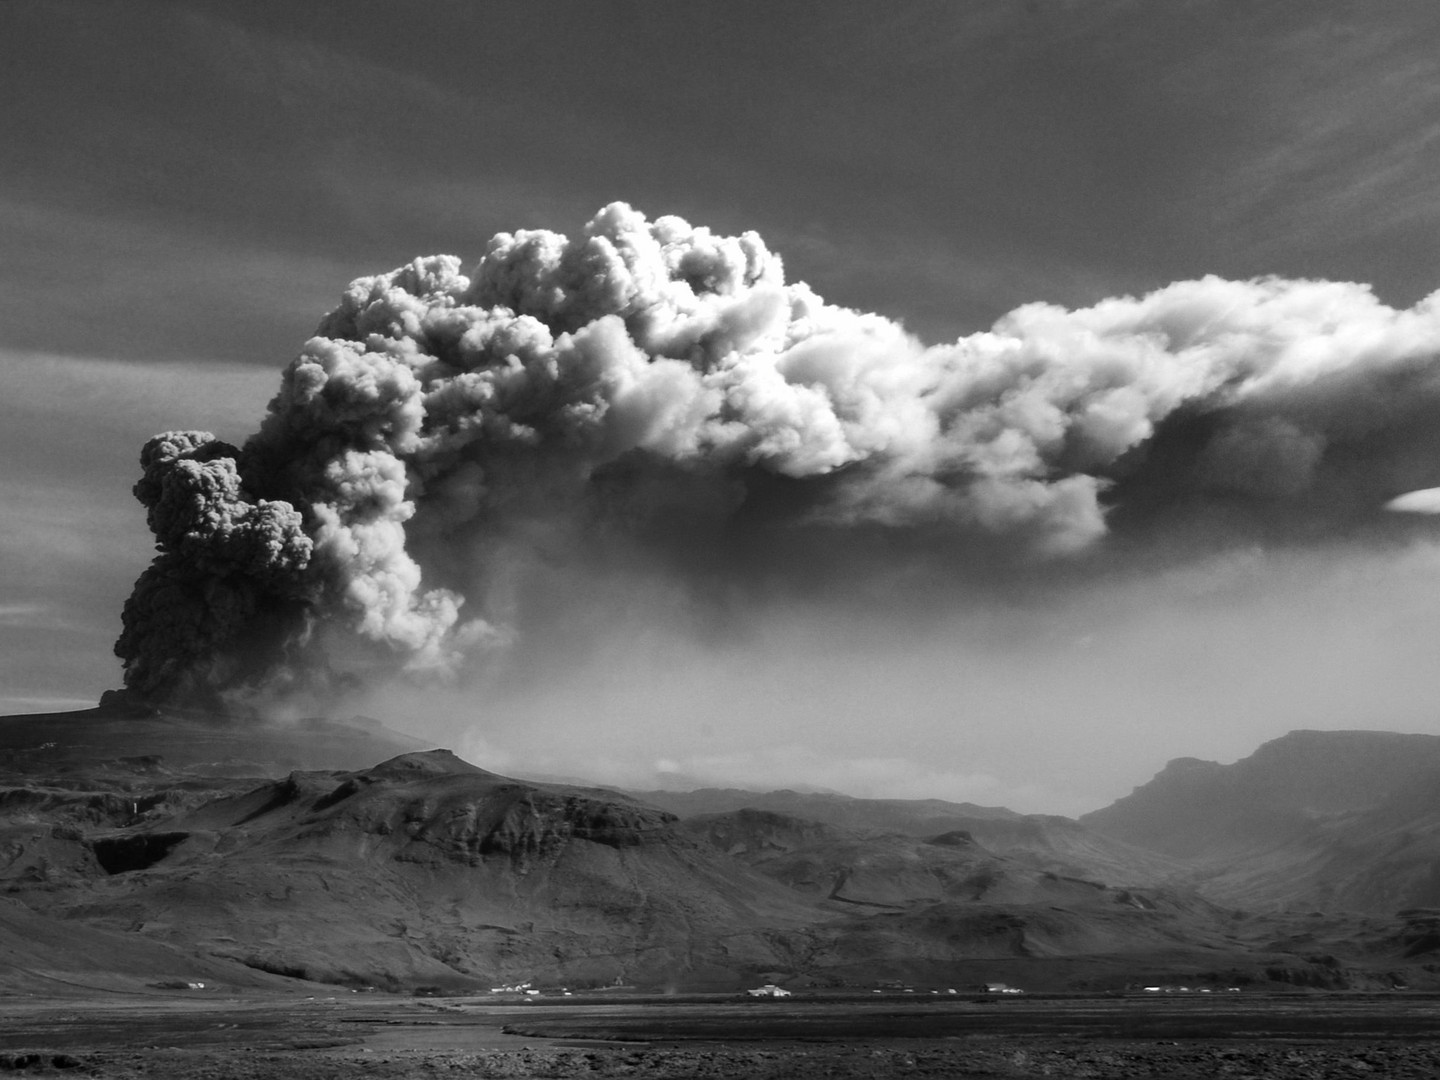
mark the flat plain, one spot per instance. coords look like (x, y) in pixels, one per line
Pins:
(210, 1036)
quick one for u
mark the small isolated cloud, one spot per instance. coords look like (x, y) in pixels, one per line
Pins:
(1424, 501)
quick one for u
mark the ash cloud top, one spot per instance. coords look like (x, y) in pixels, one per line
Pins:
(654, 383)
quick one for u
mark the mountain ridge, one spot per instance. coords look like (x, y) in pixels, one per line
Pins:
(426, 870)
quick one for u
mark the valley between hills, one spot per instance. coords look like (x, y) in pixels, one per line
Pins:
(148, 851)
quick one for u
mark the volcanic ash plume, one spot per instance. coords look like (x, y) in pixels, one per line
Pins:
(227, 563)
(646, 373)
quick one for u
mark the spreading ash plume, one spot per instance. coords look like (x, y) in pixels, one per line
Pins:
(652, 380)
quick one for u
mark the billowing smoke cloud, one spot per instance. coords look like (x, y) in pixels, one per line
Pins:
(653, 379)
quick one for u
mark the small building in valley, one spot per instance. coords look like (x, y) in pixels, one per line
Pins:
(769, 990)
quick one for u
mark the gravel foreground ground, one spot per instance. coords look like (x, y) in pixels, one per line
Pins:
(396, 1039)
(1044, 1059)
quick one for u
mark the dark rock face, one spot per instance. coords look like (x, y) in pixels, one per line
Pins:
(957, 838)
(138, 851)
(537, 824)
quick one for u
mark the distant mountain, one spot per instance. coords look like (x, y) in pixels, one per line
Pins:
(1330, 820)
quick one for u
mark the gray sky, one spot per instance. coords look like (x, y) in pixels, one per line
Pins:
(187, 188)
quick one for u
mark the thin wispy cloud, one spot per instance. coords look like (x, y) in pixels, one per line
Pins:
(25, 615)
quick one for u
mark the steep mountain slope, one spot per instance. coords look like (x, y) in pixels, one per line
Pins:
(1335, 821)
(43, 955)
